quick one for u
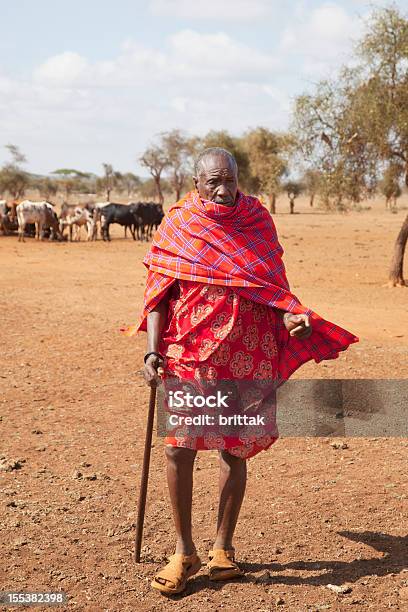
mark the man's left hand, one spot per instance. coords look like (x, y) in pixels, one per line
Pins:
(298, 325)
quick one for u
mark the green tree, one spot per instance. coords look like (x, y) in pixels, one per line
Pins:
(47, 186)
(179, 151)
(326, 128)
(382, 99)
(156, 161)
(110, 180)
(311, 182)
(13, 179)
(130, 183)
(293, 190)
(354, 124)
(266, 152)
(70, 180)
(390, 185)
(148, 188)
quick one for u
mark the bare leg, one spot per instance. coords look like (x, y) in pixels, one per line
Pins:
(233, 475)
(180, 462)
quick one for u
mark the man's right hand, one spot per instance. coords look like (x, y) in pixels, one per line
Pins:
(153, 370)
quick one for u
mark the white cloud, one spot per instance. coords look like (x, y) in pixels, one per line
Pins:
(331, 23)
(189, 55)
(322, 39)
(229, 10)
(217, 56)
(62, 68)
(75, 111)
(109, 110)
(180, 104)
(6, 89)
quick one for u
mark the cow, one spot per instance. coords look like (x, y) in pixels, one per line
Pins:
(13, 211)
(75, 219)
(67, 210)
(8, 220)
(137, 225)
(95, 210)
(8, 223)
(151, 215)
(40, 213)
(8, 217)
(3, 215)
(118, 213)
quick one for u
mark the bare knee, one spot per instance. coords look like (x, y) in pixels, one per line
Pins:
(178, 456)
(231, 464)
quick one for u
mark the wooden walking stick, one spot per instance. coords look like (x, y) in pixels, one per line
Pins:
(145, 474)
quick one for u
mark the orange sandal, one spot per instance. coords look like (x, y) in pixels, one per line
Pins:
(222, 566)
(173, 577)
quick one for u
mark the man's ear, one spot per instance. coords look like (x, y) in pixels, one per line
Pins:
(195, 181)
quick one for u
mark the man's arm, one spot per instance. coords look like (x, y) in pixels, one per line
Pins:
(156, 320)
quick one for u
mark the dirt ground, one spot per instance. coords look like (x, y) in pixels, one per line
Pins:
(73, 407)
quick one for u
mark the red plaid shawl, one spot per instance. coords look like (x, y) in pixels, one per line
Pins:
(235, 246)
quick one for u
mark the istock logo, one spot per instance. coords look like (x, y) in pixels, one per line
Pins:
(179, 399)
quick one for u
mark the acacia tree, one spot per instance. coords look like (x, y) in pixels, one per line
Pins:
(293, 190)
(382, 102)
(148, 189)
(46, 186)
(70, 180)
(130, 182)
(326, 128)
(311, 182)
(390, 185)
(155, 160)
(179, 151)
(384, 116)
(350, 127)
(109, 181)
(13, 179)
(267, 163)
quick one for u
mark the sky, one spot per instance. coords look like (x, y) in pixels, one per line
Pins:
(93, 81)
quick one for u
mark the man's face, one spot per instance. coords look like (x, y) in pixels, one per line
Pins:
(218, 180)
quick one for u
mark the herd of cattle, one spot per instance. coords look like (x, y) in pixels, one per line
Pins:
(39, 219)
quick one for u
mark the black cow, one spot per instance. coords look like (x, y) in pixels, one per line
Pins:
(119, 213)
(156, 216)
(150, 215)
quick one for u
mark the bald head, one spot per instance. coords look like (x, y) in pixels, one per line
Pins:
(216, 176)
(200, 162)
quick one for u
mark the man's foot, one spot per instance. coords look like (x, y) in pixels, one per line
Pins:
(221, 564)
(173, 577)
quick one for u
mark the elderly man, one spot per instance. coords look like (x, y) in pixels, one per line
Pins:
(218, 306)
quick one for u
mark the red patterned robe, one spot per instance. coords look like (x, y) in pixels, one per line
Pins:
(224, 269)
(212, 333)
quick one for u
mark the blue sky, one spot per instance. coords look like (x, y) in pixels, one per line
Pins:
(82, 83)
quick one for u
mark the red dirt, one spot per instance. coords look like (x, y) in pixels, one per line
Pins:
(73, 412)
